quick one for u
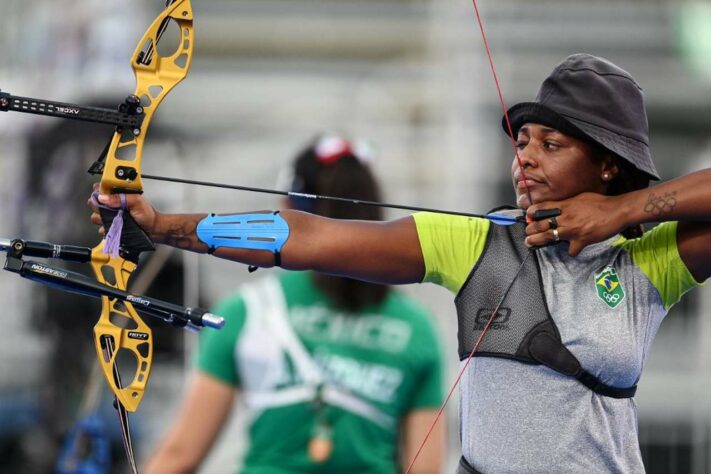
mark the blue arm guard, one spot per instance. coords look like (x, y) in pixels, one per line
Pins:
(245, 231)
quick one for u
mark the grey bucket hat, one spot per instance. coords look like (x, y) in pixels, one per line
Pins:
(593, 99)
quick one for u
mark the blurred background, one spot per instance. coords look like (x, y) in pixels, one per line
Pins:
(409, 75)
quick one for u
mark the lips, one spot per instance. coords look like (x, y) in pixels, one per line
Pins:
(529, 181)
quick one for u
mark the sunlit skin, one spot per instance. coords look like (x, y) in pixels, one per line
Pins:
(556, 166)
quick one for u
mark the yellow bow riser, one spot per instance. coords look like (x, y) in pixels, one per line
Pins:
(121, 335)
(120, 332)
(156, 76)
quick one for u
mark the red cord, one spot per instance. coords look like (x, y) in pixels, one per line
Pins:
(528, 193)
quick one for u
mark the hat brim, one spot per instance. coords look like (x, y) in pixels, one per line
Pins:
(629, 149)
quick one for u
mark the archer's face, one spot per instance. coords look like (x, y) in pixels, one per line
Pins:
(556, 166)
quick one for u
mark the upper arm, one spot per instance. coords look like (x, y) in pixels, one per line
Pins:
(658, 255)
(451, 245)
(382, 252)
(694, 242)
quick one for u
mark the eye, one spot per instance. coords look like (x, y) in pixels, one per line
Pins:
(551, 145)
(521, 144)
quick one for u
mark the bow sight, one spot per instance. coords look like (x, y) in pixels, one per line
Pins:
(128, 117)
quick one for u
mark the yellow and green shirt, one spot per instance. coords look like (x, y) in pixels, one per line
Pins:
(607, 303)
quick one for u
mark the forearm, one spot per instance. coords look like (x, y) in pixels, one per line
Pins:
(180, 231)
(683, 199)
(383, 252)
(591, 217)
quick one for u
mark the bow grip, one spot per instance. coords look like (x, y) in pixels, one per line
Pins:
(134, 239)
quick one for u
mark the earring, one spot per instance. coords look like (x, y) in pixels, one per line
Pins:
(606, 176)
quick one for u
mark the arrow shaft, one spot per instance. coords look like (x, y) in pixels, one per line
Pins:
(319, 197)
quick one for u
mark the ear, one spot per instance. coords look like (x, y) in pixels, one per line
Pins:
(609, 169)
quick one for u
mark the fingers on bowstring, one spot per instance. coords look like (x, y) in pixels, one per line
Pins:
(537, 227)
(543, 217)
(544, 238)
(543, 211)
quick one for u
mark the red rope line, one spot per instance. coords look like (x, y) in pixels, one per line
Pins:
(530, 201)
(456, 383)
(501, 100)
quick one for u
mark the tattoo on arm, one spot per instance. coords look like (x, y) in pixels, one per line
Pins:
(658, 205)
(178, 236)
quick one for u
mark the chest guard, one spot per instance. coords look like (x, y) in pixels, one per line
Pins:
(523, 328)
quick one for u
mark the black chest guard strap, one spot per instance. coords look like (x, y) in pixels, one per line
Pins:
(523, 329)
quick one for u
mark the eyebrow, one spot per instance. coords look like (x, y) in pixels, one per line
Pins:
(545, 129)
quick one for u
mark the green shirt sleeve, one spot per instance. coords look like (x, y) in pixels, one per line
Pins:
(215, 355)
(451, 245)
(657, 256)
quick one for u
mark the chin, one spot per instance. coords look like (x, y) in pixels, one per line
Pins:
(522, 201)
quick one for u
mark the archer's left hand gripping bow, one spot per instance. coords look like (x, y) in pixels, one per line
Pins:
(115, 258)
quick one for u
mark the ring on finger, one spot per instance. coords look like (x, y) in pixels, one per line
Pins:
(556, 235)
(553, 222)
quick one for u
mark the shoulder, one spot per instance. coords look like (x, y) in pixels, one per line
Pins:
(450, 245)
(445, 223)
(657, 246)
(661, 237)
(656, 254)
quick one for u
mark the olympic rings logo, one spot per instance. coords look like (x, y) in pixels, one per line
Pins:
(611, 297)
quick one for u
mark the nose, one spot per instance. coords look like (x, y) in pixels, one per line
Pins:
(527, 156)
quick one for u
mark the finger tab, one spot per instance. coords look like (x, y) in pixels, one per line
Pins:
(542, 214)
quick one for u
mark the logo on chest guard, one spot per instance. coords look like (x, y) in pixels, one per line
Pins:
(609, 288)
(500, 321)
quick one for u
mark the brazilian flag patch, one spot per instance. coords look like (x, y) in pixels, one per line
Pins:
(609, 288)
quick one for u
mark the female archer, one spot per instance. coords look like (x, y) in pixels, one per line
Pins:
(560, 310)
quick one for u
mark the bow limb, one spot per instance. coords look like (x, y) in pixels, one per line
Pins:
(156, 76)
(120, 328)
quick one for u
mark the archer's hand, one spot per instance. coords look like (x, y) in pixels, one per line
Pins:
(585, 219)
(140, 209)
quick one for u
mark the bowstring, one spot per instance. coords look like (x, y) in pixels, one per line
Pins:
(467, 362)
(523, 262)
